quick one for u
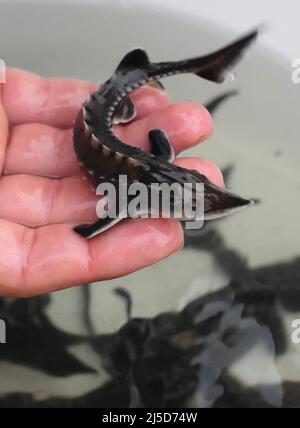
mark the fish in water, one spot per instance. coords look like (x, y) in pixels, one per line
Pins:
(215, 103)
(104, 157)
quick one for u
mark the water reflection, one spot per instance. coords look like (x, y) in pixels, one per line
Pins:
(191, 358)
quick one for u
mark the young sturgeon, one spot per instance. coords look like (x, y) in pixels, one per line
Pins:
(104, 157)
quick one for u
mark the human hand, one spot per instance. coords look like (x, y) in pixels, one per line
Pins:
(43, 192)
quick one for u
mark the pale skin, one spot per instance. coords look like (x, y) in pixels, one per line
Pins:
(43, 192)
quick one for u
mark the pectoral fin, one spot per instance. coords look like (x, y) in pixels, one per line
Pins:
(89, 230)
(160, 145)
(125, 112)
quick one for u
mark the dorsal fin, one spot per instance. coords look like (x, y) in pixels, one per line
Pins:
(135, 59)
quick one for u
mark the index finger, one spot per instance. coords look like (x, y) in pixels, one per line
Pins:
(28, 97)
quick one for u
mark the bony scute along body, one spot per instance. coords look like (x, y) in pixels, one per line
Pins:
(104, 157)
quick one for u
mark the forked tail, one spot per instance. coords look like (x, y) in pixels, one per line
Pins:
(214, 66)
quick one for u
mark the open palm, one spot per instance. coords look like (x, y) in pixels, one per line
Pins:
(43, 193)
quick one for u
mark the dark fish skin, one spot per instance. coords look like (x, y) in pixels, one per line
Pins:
(34, 342)
(162, 350)
(104, 157)
(213, 105)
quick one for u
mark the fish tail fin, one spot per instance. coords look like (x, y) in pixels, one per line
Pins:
(215, 66)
